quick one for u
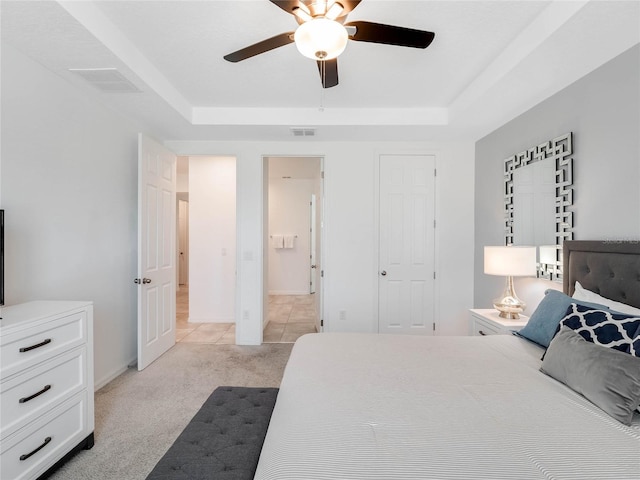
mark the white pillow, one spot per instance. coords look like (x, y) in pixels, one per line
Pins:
(583, 294)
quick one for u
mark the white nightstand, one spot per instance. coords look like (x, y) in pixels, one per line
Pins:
(486, 321)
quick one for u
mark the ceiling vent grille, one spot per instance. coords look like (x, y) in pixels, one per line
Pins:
(108, 80)
(303, 131)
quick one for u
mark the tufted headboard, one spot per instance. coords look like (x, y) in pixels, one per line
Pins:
(609, 268)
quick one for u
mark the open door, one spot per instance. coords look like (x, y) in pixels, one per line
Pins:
(156, 250)
(318, 242)
(312, 248)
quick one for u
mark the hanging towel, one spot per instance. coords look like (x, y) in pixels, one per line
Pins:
(277, 241)
(288, 241)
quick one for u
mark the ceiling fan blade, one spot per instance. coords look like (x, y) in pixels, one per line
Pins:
(348, 5)
(286, 5)
(390, 34)
(260, 47)
(289, 5)
(328, 72)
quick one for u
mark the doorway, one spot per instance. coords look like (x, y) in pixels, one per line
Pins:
(183, 239)
(205, 303)
(182, 254)
(293, 245)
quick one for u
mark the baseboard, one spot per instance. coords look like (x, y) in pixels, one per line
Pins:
(98, 384)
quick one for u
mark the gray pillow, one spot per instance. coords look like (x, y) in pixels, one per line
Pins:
(608, 378)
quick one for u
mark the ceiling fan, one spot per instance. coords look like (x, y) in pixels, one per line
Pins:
(322, 34)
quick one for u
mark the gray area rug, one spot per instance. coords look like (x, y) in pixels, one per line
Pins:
(223, 440)
(139, 415)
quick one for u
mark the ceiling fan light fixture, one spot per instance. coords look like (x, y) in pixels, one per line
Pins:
(321, 39)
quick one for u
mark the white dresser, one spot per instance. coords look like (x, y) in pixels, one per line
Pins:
(46, 385)
(487, 321)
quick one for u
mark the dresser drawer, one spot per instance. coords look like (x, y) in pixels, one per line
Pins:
(36, 447)
(25, 396)
(484, 328)
(19, 351)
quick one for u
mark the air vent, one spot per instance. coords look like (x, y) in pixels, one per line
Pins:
(303, 131)
(108, 80)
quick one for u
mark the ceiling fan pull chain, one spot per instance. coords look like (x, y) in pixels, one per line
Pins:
(321, 107)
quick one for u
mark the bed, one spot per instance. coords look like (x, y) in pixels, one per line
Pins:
(366, 406)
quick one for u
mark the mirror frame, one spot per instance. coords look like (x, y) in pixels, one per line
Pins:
(560, 149)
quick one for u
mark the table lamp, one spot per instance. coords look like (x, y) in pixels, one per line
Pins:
(510, 261)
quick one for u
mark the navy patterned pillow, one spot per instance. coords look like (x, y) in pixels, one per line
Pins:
(605, 327)
(634, 349)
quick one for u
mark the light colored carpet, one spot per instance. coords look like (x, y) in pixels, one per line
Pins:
(140, 414)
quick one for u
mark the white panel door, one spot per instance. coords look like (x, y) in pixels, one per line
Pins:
(318, 235)
(156, 250)
(407, 244)
(312, 244)
(183, 242)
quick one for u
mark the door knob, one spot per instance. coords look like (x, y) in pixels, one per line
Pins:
(146, 280)
(383, 273)
(313, 266)
(137, 281)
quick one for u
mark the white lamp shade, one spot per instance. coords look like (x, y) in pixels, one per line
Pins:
(321, 39)
(514, 261)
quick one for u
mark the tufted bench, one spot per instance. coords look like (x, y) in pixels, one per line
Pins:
(223, 440)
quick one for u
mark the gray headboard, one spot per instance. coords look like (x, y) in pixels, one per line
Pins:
(609, 268)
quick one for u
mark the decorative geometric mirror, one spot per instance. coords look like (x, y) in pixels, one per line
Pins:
(558, 154)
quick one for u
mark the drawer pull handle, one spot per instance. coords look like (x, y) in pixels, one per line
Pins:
(26, 399)
(482, 333)
(27, 455)
(33, 347)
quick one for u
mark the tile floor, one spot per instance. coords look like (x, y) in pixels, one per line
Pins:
(290, 316)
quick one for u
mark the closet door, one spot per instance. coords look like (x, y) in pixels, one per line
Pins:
(406, 264)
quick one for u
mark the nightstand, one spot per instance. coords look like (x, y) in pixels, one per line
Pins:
(486, 321)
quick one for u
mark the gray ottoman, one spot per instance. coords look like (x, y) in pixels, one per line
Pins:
(223, 440)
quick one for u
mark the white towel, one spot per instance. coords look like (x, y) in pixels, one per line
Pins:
(277, 241)
(288, 241)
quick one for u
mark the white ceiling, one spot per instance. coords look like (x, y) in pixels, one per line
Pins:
(490, 61)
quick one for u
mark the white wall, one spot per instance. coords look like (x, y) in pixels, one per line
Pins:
(212, 239)
(69, 188)
(350, 246)
(289, 214)
(602, 110)
(182, 177)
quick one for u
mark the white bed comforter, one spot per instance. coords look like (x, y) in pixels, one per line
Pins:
(360, 406)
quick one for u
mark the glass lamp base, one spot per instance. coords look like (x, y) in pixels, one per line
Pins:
(508, 304)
